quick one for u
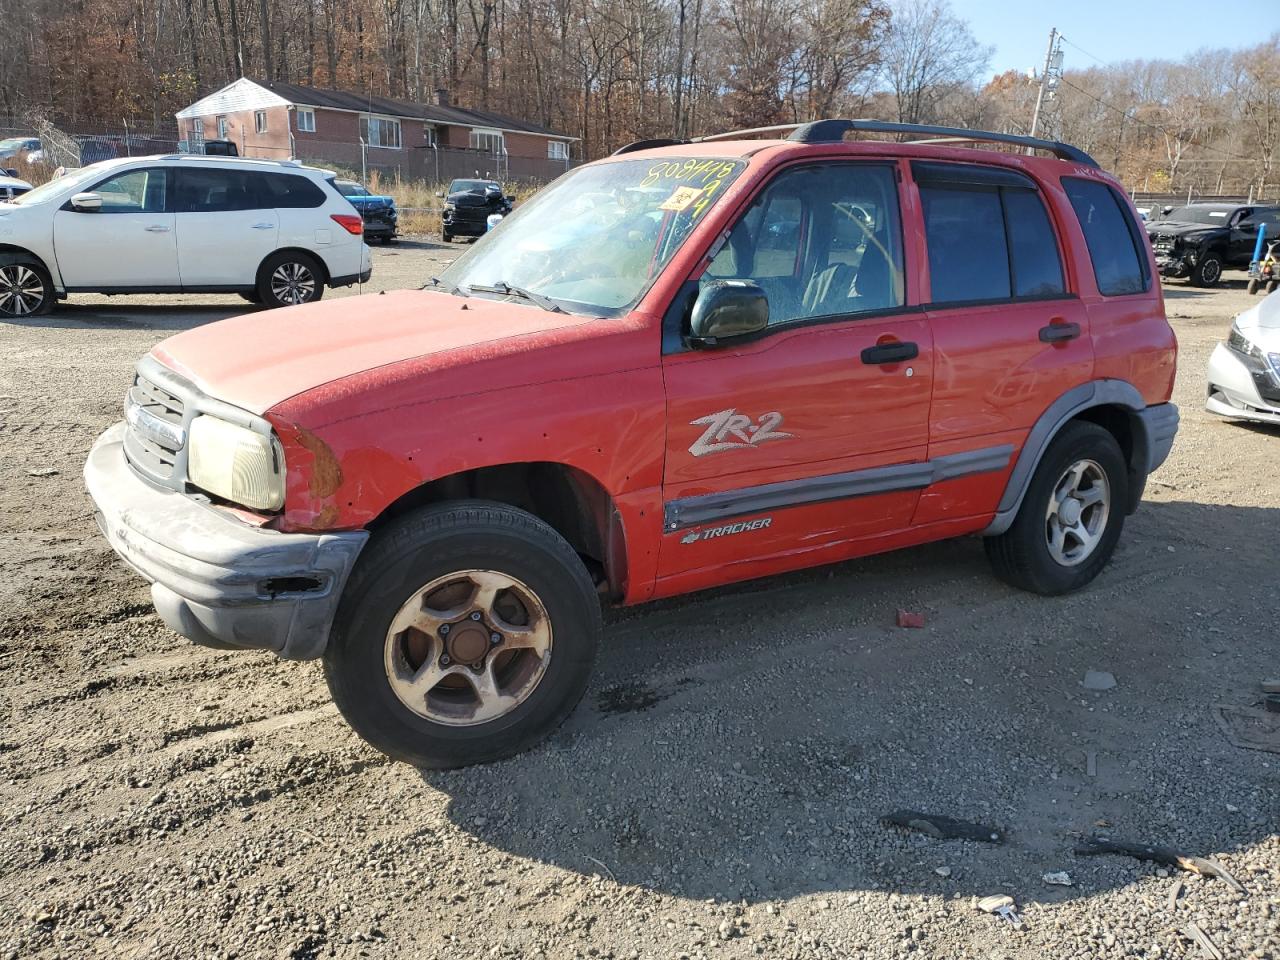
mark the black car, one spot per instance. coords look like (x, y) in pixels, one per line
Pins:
(1200, 240)
(468, 204)
(379, 212)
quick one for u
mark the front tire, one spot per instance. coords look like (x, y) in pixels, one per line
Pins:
(1071, 516)
(466, 634)
(1208, 271)
(446, 236)
(1251, 287)
(26, 289)
(287, 279)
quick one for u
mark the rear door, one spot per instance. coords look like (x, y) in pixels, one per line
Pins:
(1009, 336)
(225, 230)
(809, 436)
(128, 242)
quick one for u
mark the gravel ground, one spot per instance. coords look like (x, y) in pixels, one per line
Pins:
(718, 792)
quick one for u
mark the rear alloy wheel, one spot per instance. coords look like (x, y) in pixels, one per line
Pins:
(288, 279)
(1208, 271)
(466, 633)
(1071, 516)
(25, 290)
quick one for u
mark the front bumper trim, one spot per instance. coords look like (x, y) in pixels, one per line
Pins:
(1233, 391)
(214, 579)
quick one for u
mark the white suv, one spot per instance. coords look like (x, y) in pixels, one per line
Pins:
(273, 231)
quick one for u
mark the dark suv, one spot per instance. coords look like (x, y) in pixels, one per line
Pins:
(1200, 240)
(468, 205)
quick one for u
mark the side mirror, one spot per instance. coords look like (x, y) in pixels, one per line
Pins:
(726, 309)
(1165, 211)
(87, 201)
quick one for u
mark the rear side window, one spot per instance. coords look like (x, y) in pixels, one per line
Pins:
(287, 190)
(988, 233)
(1118, 254)
(216, 191)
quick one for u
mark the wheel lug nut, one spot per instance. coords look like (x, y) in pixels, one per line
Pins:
(475, 615)
(444, 660)
(495, 638)
(444, 630)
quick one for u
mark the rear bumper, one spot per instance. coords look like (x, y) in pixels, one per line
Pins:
(1233, 391)
(215, 580)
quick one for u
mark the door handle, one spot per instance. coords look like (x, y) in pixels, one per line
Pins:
(264, 226)
(895, 351)
(157, 228)
(1059, 332)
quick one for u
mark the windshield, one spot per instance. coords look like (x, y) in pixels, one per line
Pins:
(596, 238)
(13, 143)
(473, 186)
(350, 189)
(1215, 216)
(58, 185)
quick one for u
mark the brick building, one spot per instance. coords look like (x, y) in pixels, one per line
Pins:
(435, 141)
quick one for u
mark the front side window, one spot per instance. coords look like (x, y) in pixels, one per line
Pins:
(216, 191)
(820, 240)
(380, 132)
(138, 191)
(1118, 254)
(306, 121)
(595, 240)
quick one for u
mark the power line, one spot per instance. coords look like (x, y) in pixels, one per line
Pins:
(1091, 56)
(1153, 126)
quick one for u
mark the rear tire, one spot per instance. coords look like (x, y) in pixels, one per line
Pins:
(1208, 271)
(251, 296)
(26, 289)
(289, 278)
(408, 663)
(1044, 551)
(446, 236)
(1273, 286)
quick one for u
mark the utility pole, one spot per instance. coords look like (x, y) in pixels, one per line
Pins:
(1048, 77)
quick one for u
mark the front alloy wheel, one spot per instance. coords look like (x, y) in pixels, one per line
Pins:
(468, 647)
(466, 633)
(24, 292)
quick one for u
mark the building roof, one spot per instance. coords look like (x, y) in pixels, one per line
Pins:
(246, 94)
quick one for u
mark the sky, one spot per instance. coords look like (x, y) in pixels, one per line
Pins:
(1115, 30)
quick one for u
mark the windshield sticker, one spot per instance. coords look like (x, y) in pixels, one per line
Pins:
(707, 176)
(681, 200)
(1217, 213)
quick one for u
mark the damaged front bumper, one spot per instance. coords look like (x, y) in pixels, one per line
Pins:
(216, 580)
(1241, 388)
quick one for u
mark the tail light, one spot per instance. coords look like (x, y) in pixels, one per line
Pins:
(349, 222)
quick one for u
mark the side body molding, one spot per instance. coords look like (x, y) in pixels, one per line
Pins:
(1153, 430)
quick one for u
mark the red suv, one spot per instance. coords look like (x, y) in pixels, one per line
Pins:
(688, 364)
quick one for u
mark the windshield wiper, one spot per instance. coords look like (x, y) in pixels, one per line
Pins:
(506, 289)
(458, 291)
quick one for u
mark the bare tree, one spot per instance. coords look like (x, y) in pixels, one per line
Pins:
(928, 54)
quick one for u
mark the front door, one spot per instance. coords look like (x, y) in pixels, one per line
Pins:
(784, 449)
(127, 242)
(1009, 337)
(225, 230)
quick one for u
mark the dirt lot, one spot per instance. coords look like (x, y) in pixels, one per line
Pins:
(718, 792)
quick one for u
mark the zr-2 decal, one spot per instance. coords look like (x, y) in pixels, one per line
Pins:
(727, 530)
(730, 430)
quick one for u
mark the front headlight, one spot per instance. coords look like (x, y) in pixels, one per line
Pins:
(236, 464)
(1240, 343)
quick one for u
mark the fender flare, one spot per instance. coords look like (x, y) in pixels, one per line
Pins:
(1153, 429)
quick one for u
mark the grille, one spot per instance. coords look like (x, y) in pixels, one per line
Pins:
(156, 433)
(1163, 243)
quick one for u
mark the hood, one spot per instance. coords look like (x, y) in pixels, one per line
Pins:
(468, 198)
(1261, 322)
(1181, 228)
(371, 200)
(258, 360)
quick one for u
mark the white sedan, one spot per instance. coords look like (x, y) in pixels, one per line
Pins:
(1244, 372)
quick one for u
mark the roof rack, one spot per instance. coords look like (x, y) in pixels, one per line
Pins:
(833, 131)
(649, 145)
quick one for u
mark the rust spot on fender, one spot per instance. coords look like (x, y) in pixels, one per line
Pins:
(326, 472)
(326, 518)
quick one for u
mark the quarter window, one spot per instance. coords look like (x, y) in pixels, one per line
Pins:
(216, 191)
(1118, 254)
(286, 190)
(306, 121)
(822, 240)
(138, 191)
